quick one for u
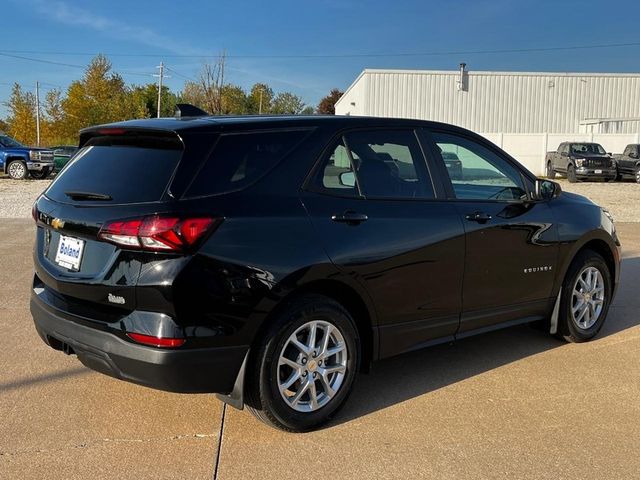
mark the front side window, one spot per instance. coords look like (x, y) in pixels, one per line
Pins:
(376, 164)
(478, 173)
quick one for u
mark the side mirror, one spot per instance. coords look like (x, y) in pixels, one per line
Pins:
(610, 154)
(547, 190)
(347, 179)
(633, 155)
(564, 154)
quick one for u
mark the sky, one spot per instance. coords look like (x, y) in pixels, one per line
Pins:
(308, 47)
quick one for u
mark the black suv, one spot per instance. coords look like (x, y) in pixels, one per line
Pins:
(269, 259)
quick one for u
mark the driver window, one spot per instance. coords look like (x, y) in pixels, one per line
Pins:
(478, 173)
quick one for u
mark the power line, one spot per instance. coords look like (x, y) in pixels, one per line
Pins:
(40, 60)
(180, 75)
(339, 55)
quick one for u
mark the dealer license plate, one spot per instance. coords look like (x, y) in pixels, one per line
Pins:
(69, 253)
(598, 171)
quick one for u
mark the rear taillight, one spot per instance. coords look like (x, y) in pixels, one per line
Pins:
(158, 233)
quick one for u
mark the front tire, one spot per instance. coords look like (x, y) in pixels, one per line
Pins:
(17, 170)
(571, 174)
(637, 175)
(586, 294)
(304, 368)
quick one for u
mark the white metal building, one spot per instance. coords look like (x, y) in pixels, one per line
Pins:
(501, 102)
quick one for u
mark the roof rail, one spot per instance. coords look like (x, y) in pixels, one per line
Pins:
(188, 110)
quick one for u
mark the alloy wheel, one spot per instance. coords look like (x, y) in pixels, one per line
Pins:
(587, 299)
(17, 170)
(312, 366)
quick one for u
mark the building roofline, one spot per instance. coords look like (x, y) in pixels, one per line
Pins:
(495, 73)
(362, 73)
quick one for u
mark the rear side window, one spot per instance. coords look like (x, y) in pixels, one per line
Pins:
(128, 170)
(240, 159)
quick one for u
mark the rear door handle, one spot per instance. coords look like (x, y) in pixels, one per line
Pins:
(350, 217)
(479, 217)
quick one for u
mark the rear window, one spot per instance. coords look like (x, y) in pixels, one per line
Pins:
(240, 159)
(129, 170)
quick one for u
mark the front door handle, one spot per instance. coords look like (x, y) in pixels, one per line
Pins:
(479, 217)
(350, 217)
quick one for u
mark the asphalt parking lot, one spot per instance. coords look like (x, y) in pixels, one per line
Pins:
(509, 404)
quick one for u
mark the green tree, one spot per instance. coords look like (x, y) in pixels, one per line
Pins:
(234, 100)
(327, 105)
(22, 115)
(148, 95)
(260, 98)
(288, 103)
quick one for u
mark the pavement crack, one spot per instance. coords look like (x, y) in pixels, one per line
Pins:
(216, 465)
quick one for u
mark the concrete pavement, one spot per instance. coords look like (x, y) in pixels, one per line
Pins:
(514, 403)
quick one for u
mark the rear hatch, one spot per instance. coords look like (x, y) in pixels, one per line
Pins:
(116, 175)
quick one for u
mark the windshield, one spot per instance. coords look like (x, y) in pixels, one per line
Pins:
(586, 148)
(9, 142)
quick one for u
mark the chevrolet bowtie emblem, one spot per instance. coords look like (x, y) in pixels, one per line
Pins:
(57, 223)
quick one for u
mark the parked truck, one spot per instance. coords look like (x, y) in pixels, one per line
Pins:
(20, 162)
(581, 161)
(629, 161)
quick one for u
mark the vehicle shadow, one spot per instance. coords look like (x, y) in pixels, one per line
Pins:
(45, 378)
(410, 375)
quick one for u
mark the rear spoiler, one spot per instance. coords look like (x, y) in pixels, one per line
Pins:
(188, 110)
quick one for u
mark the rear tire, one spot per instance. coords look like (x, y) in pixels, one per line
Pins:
(637, 175)
(551, 173)
(295, 382)
(571, 174)
(586, 294)
(17, 170)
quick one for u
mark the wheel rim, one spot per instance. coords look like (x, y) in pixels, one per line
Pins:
(549, 170)
(638, 176)
(16, 169)
(312, 366)
(588, 298)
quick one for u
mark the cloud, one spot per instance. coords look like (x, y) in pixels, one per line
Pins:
(67, 14)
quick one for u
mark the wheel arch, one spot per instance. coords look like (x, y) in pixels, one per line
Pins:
(13, 158)
(599, 245)
(350, 298)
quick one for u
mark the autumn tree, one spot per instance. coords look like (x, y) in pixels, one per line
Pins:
(101, 96)
(327, 105)
(22, 115)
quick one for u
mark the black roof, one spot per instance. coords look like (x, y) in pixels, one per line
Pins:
(260, 121)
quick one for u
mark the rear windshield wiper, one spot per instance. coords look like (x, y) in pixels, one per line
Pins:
(73, 195)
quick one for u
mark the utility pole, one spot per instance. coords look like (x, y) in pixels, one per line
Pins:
(160, 76)
(260, 106)
(37, 114)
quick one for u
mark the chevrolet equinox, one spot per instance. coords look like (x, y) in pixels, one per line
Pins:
(270, 259)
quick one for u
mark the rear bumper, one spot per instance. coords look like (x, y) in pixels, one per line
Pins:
(196, 370)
